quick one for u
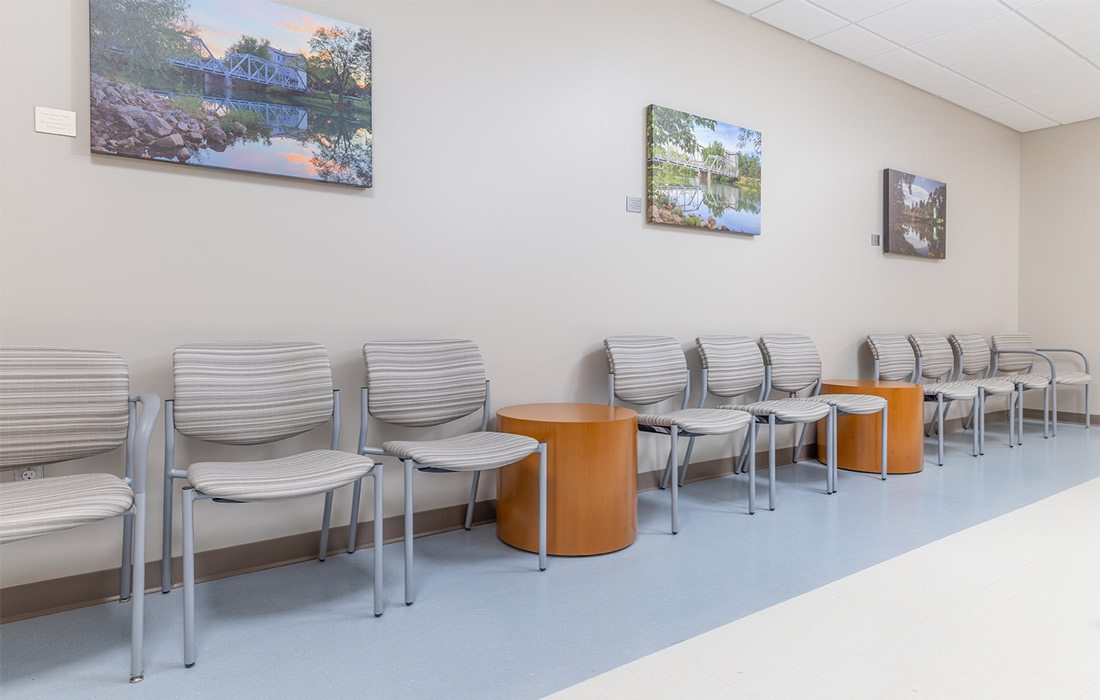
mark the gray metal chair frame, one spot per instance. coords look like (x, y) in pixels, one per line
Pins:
(1045, 353)
(1054, 402)
(942, 402)
(1050, 391)
(412, 466)
(962, 357)
(139, 432)
(189, 495)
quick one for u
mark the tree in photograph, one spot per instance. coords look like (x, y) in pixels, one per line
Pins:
(341, 59)
(750, 138)
(669, 128)
(260, 48)
(141, 33)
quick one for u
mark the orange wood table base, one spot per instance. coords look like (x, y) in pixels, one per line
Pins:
(591, 478)
(859, 442)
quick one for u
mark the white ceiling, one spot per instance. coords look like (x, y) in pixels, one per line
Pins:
(1027, 64)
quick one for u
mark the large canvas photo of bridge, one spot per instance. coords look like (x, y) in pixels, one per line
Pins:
(245, 85)
(702, 173)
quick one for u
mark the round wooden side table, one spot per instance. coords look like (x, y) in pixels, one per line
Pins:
(591, 478)
(859, 441)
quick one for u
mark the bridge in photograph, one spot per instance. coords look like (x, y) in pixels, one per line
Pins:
(711, 165)
(279, 71)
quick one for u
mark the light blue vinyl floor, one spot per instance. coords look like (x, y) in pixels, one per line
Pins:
(487, 624)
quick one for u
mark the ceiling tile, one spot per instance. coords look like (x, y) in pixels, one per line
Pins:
(1015, 116)
(1021, 60)
(799, 18)
(1076, 114)
(941, 82)
(986, 37)
(901, 63)
(1079, 72)
(975, 97)
(1085, 41)
(747, 6)
(1062, 16)
(855, 10)
(924, 19)
(1064, 98)
(855, 43)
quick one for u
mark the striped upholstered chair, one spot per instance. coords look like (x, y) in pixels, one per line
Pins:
(792, 364)
(650, 369)
(1015, 352)
(252, 394)
(974, 360)
(58, 405)
(425, 383)
(734, 366)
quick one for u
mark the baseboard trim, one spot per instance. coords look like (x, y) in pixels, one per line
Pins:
(1063, 416)
(70, 592)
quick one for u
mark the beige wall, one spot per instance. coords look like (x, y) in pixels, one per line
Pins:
(1060, 247)
(507, 135)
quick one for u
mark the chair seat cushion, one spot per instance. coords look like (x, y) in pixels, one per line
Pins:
(1030, 381)
(1074, 378)
(283, 477)
(470, 452)
(959, 391)
(801, 410)
(853, 403)
(995, 386)
(701, 421)
(30, 508)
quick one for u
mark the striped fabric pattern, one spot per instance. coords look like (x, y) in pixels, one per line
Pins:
(995, 386)
(647, 368)
(59, 404)
(794, 360)
(701, 421)
(934, 351)
(734, 364)
(858, 404)
(1028, 380)
(41, 506)
(972, 350)
(956, 391)
(469, 452)
(803, 410)
(251, 393)
(896, 359)
(283, 477)
(1074, 378)
(1007, 342)
(419, 383)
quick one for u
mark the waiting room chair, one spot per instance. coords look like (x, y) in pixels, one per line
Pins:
(974, 357)
(425, 383)
(733, 366)
(253, 394)
(1013, 352)
(793, 364)
(58, 405)
(649, 369)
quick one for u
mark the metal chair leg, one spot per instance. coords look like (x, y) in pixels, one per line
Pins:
(674, 481)
(1046, 411)
(326, 517)
(771, 462)
(687, 461)
(127, 552)
(542, 506)
(409, 598)
(137, 600)
(188, 503)
(939, 427)
(1088, 416)
(668, 470)
(831, 467)
(1054, 409)
(981, 421)
(974, 422)
(885, 433)
(1012, 417)
(743, 460)
(379, 521)
(353, 521)
(166, 538)
(752, 467)
(801, 442)
(1020, 414)
(473, 499)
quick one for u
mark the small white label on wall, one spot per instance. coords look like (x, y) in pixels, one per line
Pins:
(54, 121)
(634, 205)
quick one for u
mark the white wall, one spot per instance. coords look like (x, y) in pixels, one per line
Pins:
(1060, 247)
(506, 137)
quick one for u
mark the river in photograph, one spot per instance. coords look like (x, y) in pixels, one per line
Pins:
(734, 207)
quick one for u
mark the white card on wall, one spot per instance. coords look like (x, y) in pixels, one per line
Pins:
(48, 120)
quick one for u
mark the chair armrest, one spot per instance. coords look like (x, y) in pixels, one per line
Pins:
(374, 452)
(147, 421)
(1036, 353)
(1068, 350)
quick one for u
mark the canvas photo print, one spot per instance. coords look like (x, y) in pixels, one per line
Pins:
(914, 215)
(245, 85)
(702, 173)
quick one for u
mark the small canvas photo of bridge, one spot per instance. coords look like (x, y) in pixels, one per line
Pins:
(245, 85)
(702, 173)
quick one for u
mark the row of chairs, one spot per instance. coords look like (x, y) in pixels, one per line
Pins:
(59, 404)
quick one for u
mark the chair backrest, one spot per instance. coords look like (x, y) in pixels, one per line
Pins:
(647, 368)
(251, 393)
(733, 363)
(972, 350)
(936, 358)
(418, 383)
(59, 404)
(794, 361)
(1007, 342)
(895, 356)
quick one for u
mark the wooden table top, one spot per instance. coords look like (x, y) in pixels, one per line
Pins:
(859, 383)
(568, 412)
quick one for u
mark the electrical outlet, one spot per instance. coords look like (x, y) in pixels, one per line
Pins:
(876, 239)
(30, 474)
